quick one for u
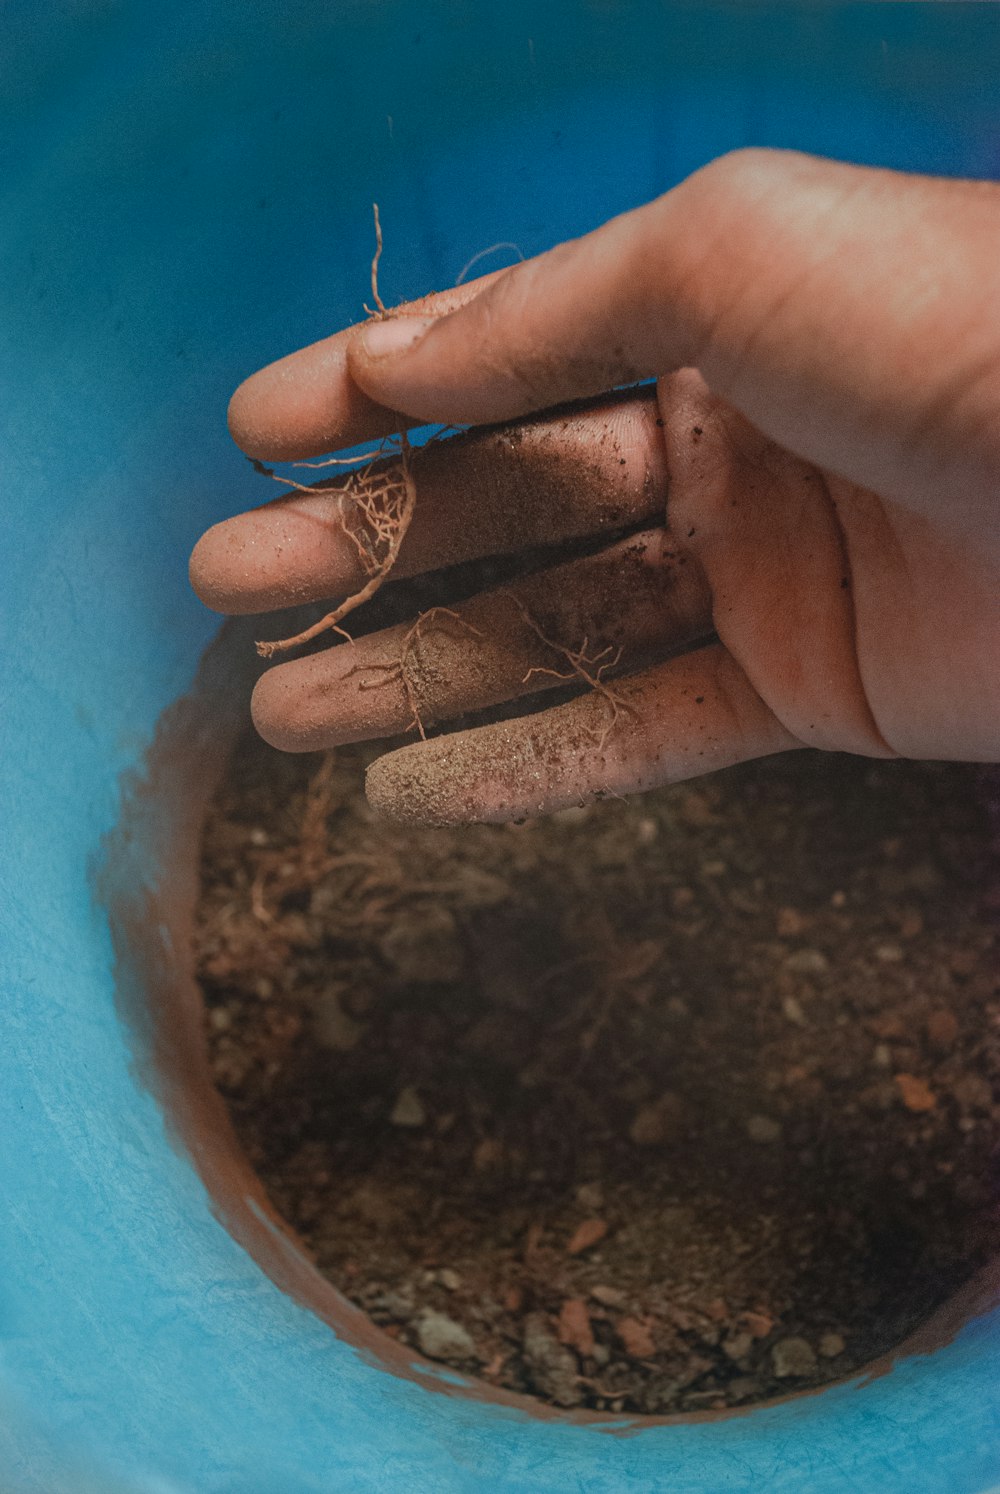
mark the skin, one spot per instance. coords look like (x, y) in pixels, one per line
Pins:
(815, 480)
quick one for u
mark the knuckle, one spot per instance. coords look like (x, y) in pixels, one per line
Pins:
(740, 178)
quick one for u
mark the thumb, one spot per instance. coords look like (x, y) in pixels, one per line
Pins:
(572, 322)
(846, 311)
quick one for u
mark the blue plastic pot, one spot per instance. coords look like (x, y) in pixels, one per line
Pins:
(188, 193)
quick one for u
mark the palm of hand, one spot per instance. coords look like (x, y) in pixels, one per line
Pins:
(864, 625)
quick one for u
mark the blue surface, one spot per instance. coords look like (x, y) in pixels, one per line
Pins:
(187, 194)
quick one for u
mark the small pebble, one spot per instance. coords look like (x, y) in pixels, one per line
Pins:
(793, 1358)
(408, 1109)
(449, 1279)
(551, 1366)
(398, 1305)
(743, 1387)
(440, 1337)
(576, 814)
(831, 1345)
(792, 1009)
(656, 1123)
(807, 962)
(763, 1129)
(889, 954)
(789, 923)
(738, 1346)
(608, 1296)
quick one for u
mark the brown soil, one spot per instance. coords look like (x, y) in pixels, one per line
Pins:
(664, 1105)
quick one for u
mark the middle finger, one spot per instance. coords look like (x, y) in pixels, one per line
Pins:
(586, 471)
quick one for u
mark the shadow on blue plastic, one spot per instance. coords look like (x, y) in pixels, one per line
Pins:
(187, 193)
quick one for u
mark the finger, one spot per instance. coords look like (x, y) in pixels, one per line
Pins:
(847, 312)
(307, 403)
(576, 622)
(492, 492)
(689, 716)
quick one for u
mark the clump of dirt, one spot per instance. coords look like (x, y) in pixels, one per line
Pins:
(657, 1106)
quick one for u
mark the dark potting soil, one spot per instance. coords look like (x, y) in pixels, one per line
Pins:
(673, 1104)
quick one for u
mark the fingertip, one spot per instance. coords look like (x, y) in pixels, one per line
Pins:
(206, 568)
(480, 776)
(240, 418)
(308, 403)
(277, 716)
(231, 571)
(273, 415)
(409, 787)
(303, 405)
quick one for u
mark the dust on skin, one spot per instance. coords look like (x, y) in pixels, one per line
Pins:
(537, 764)
(633, 602)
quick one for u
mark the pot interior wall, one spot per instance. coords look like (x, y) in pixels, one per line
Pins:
(188, 195)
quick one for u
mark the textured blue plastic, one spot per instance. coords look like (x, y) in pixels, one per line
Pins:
(187, 194)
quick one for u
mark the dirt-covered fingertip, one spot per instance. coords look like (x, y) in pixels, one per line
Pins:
(208, 569)
(418, 785)
(253, 420)
(281, 712)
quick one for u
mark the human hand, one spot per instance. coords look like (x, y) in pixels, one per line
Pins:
(824, 439)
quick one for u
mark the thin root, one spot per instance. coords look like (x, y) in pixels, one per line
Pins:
(377, 256)
(588, 667)
(492, 249)
(398, 671)
(377, 504)
(383, 506)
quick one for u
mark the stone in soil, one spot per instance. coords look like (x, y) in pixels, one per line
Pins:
(793, 1358)
(551, 1367)
(763, 1129)
(440, 1337)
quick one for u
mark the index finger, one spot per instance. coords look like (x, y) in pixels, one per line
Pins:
(307, 403)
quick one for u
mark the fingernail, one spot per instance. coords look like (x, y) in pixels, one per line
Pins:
(384, 339)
